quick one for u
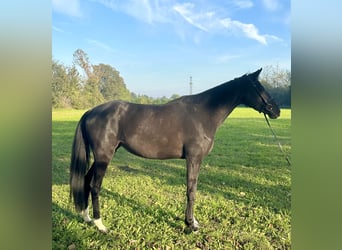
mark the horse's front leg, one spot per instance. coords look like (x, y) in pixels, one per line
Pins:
(193, 166)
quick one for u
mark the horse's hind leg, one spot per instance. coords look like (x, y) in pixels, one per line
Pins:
(95, 186)
(87, 180)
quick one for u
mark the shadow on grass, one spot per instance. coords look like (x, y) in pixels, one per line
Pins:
(64, 235)
(227, 185)
(160, 215)
(62, 138)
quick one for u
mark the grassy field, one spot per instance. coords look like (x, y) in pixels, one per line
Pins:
(243, 198)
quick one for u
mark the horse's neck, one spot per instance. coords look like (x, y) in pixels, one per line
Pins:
(222, 100)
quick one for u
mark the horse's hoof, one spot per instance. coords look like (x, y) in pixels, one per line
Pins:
(196, 225)
(100, 226)
(193, 226)
(85, 215)
(104, 231)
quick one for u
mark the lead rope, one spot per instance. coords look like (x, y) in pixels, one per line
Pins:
(276, 138)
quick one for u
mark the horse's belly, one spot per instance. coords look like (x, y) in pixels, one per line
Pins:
(155, 147)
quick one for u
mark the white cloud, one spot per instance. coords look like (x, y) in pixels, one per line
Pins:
(209, 22)
(247, 29)
(57, 29)
(185, 10)
(271, 5)
(101, 45)
(202, 18)
(243, 4)
(273, 38)
(67, 7)
(144, 10)
(224, 58)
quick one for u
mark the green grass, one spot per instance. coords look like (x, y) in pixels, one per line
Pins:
(243, 198)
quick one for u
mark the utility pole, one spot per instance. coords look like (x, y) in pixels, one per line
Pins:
(190, 85)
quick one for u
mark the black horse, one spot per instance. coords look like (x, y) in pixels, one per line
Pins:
(183, 128)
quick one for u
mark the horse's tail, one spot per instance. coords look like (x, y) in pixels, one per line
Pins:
(79, 165)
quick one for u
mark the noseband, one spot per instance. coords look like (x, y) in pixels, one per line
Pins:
(267, 106)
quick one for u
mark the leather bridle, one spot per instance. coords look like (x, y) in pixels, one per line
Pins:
(267, 106)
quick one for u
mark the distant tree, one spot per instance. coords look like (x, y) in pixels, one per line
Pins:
(65, 86)
(160, 100)
(81, 59)
(174, 96)
(91, 84)
(134, 97)
(94, 85)
(275, 76)
(141, 99)
(91, 93)
(102, 82)
(57, 83)
(277, 82)
(111, 84)
(74, 87)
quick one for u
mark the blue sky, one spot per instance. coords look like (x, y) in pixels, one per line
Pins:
(156, 45)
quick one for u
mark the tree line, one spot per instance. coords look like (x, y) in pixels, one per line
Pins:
(277, 82)
(84, 85)
(95, 84)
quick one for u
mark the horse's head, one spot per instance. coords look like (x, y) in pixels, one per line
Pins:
(257, 97)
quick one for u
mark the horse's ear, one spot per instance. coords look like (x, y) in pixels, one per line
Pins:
(256, 73)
